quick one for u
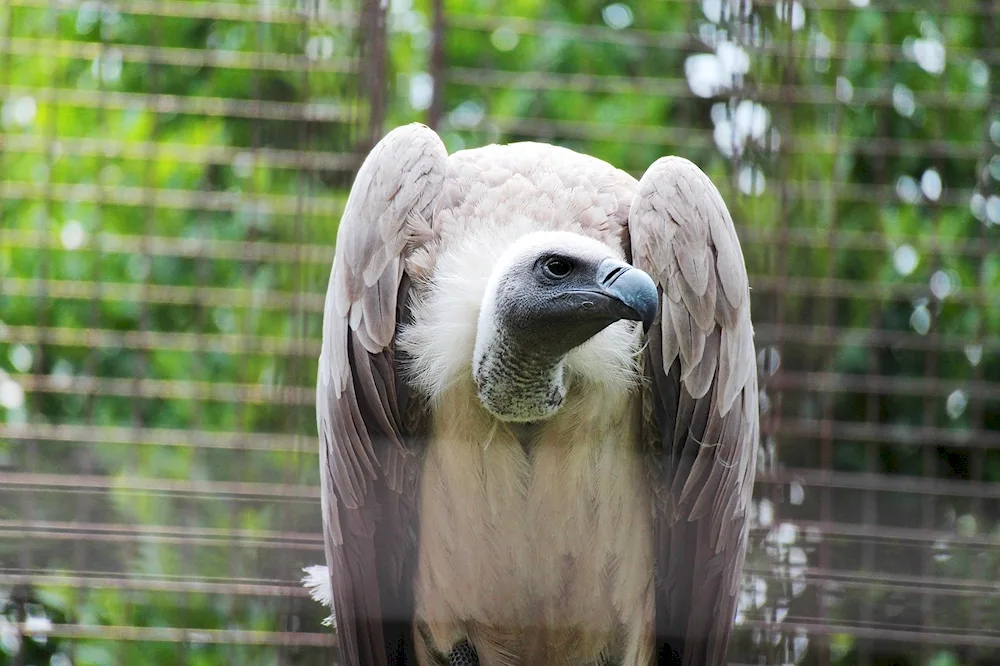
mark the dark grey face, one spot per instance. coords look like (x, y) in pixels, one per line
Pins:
(569, 298)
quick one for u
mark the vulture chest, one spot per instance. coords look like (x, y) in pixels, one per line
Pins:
(535, 542)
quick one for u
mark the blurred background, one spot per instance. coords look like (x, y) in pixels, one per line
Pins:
(171, 177)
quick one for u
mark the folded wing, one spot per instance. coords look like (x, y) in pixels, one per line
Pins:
(368, 454)
(699, 408)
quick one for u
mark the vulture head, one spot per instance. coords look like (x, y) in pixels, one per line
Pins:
(548, 293)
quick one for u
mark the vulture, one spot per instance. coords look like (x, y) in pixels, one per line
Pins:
(537, 411)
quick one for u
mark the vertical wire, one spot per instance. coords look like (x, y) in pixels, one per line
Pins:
(140, 355)
(34, 457)
(203, 265)
(977, 407)
(438, 65)
(931, 405)
(84, 453)
(5, 58)
(248, 266)
(869, 507)
(784, 163)
(749, 90)
(303, 193)
(373, 54)
(830, 318)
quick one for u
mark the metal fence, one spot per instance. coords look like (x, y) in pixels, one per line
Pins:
(171, 175)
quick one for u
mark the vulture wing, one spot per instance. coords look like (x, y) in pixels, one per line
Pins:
(699, 407)
(368, 453)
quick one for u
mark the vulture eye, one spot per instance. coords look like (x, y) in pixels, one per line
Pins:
(557, 267)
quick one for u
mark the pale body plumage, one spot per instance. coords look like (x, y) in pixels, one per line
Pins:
(554, 541)
(541, 531)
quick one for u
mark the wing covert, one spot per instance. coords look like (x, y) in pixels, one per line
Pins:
(700, 414)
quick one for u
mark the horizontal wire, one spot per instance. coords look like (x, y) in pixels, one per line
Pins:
(323, 14)
(132, 292)
(181, 247)
(831, 382)
(181, 57)
(879, 631)
(39, 534)
(169, 487)
(179, 635)
(696, 137)
(160, 341)
(795, 285)
(170, 198)
(889, 483)
(887, 534)
(807, 477)
(274, 299)
(271, 394)
(540, 127)
(765, 334)
(680, 41)
(305, 444)
(168, 533)
(326, 110)
(197, 154)
(77, 536)
(170, 389)
(193, 583)
(284, 204)
(212, 248)
(222, 343)
(296, 62)
(859, 579)
(678, 89)
(130, 584)
(171, 437)
(219, 11)
(804, 190)
(882, 433)
(137, 581)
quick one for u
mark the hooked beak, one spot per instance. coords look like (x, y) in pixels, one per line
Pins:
(632, 288)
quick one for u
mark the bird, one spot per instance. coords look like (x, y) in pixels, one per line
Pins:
(537, 410)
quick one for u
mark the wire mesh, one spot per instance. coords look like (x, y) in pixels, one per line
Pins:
(171, 173)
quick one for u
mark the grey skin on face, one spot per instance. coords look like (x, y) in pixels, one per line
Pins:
(545, 304)
(563, 301)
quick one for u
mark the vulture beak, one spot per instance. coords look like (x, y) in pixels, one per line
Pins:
(630, 287)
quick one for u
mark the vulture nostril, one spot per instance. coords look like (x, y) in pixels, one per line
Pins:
(615, 273)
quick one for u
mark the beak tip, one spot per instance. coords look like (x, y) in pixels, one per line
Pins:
(636, 289)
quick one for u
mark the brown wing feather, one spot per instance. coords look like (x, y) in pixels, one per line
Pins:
(368, 456)
(700, 407)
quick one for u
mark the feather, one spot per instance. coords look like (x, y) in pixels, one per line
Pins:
(317, 581)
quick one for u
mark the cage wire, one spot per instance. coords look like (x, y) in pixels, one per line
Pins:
(171, 176)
